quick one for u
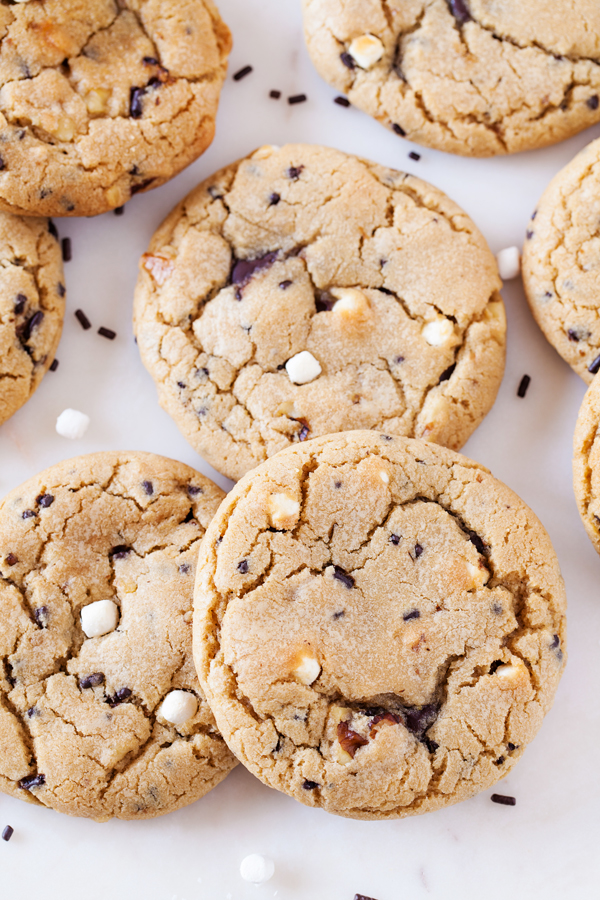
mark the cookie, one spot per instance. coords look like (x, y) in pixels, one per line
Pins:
(474, 77)
(32, 306)
(302, 291)
(586, 463)
(102, 99)
(561, 262)
(379, 625)
(101, 712)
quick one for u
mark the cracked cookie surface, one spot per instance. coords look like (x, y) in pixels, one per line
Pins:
(100, 99)
(82, 728)
(561, 262)
(379, 624)
(474, 77)
(586, 462)
(302, 291)
(32, 307)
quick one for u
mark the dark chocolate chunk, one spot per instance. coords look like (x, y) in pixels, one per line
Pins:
(573, 335)
(67, 250)
(419, 720)
(524, 384)
(304, 432)
(431, 745)
(297, 98)
(82, 319)
(395, 539)
(241, 73)
(44, 500)
(136, 109)
(413, 614)
(274, 95)
(53, 365)
(90, 681)
(294, 172)
(348, 60)
(349, 740)
(141, 186)
(150, 61)
(52, 229)
(510, 747)
(185, 569)
(341, 101)
(418, 550)
(11, 559)
(31, 712)
(595, 366)
(284, 285)
(28, 514)
(119, 210)
(447, 373)
(325, 302)
(120, 697)
(19, 305)
(593, 101)
(310, 785)
(243, 566)
(244, 269)
(503, 799)
(479, 544)
(24, 331)
(362, 897)
(107, 333)
(274, 199)
(460, 11)
(386, 437)
(415, 156)
(337, 484)
(495, 665)
(7, 833)
(499, 761)
(148, 488)
(119, 552)
(32, 781)
(341, 575)
(555, 642)
(339, 615)
(529, 234)
(398, 129)
(61, 289)
(41, 616)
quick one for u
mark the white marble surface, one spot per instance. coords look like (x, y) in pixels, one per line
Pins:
(546, 846)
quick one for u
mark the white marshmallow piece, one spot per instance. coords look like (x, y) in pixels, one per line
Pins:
(308, 670)
(302, 368)
(509, 263)
(366, 50)
(257, 868)
(72, 424)
(99, 618)
(439, 332)
(178, 707)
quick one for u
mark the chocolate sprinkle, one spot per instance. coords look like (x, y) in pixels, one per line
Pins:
(593, 102)
(67, 250)
(310, 785)
(297, 98)
(54, 365)
(242, 73)
(595, 366)
(243, 566)
(398, 129)
(525, 382)
(7, 833)
(413, 614)
(415, 156)
(348, 60)
(503, 799)
(90, 681)
(460, 11)
(82, 319)
(274, 95)
(119, 210)
(341, 101)
(341, 575)
(148, 488)
(107, 333)
(32, 781)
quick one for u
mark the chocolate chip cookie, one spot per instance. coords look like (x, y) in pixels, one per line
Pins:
(32, 306)
(101, 712)
(302, 291)
(586, 462)
(475, 77)
(561, 262)
(379, 624)
(104, 98)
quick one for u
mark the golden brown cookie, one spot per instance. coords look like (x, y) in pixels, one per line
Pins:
(302, 291)
(586, 463)
(101, 712)
(379, 624)
(561, 262)
(100, 99)
(32, 306)
(475, 77)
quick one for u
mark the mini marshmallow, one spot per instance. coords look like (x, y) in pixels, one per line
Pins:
(72, 424)
(283, 510)
(509, 263)
(99, 618)
(257, 869)
(366, 50)
(438, 332)
(308, 670)
(178, 707)
(302, 368)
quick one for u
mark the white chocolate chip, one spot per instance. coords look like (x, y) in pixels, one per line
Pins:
(438, 332)
(283, 510)
(366, 50)
(302, 368)
(99, 618)
(511, 676)
(97, 101)
(479, 575)
(384, 476)
(509, 263)
(287, 408)
(351, 304)
(72, 424)
(178, 707)
(308, 670)
(257, 869)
